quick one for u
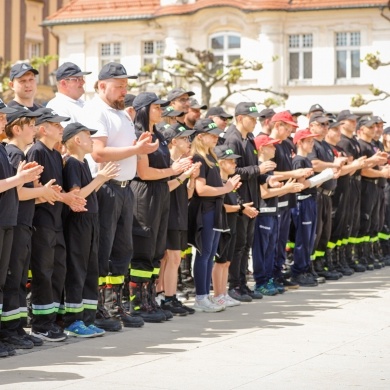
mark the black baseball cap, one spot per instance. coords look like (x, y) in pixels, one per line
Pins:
(267, 113)
(367, 120)
(379, 119)
(114, 70)
(177, 92)
(171, 112)
(224, 152)
(21, 112)
(346, 115)
(386, 130)
(320, 118)
(195, 104)
(18, 70)
(4, 109)
(207, 125)
(247, 108)
(48, 115)
(316, 107)
(69, 69)
(146, 98)
(334, 124)
(218, 111)
(73, 129)
(176, 131)
(129, 99)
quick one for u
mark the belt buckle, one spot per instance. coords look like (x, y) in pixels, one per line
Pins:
(123, 183)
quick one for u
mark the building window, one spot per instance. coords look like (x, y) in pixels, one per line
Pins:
(152, 52)
(33, 49)
(348, 55)
(110, 52)
(300, 56)
(226, 48)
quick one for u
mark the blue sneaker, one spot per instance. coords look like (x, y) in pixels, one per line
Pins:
(278, 286)
(266, 289)
(78, 329)
(98, 331)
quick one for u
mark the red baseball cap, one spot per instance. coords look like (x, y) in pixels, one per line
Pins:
(284, 116)
(264, 140)
(303, 134)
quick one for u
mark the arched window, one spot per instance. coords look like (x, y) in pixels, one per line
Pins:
(226, 48)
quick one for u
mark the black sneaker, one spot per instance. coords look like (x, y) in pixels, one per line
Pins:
(303, 280)
(238, 295)
(288, 285)
(175, 307)
(6, 350)
(53, 334)
(252, 293)
(189, 310)
(35, 340)
(18, 342)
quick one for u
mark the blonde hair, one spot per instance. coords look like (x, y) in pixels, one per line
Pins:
(198, 147)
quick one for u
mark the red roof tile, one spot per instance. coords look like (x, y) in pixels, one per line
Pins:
(81, 11)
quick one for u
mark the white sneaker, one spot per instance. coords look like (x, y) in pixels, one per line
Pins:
(220, 301)
(230, 302)
(207, 306)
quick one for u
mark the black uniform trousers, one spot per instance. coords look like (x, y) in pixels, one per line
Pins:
(340, 211)
(369, 209)
(48, 266)
(284, 222)
(244, 239)
(378, 227)
(81, 231)
(324, 223)
(354, 208)
(6, 237)
(15, 306)
(115, 234)
(150, 225)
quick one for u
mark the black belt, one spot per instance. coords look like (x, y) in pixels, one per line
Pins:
(325, 192)
(357, 177)
(374, 181)
(123, 183)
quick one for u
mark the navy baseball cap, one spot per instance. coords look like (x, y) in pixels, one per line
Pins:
(207, 125)
(195, 104)
(129, 99)
(316, 107)
(379, 119)
(224, 152)
(114, 70)
(171, 112)
(218, 111)
(69, 69)
(48, 115)
(346, 115)
(18, 70)
(267, 113)
(74, 128)
(247, 108)
(4, 109)
(176, 131)
(320, 118)
(177, 92)
(367, 120)
(21, 112)
(386, 130)
(146, 98)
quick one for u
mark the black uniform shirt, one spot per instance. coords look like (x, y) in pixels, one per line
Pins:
(15, 104)
(378, 147)
(47, 215)
(303, 162)
(26, 207)
(367, 150)
(232, 199)
(351, 147)
(9, 198)
(269, 206)
(78, 174)
(323, 152)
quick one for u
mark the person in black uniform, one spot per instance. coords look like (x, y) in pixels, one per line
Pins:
(239, 138)
(322, 157)
(48, 251)
(20, 131)
(9, 180)
(369, 210)
(81, 232)
(385, 241)
(151, 210)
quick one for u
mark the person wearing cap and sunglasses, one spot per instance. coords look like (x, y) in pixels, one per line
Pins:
(151, 209)
(115, 141)
(207, 219)
(194, 113)
(9, 181)
(70, 85)
(24, 84)
(219, 116)
(179, 99)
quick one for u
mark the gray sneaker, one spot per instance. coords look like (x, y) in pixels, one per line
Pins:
(238, 295)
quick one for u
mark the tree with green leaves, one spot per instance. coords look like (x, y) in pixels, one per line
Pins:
(200, 67)
(374, 62)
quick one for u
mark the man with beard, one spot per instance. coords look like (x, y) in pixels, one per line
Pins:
(193, 113)
(115, 140)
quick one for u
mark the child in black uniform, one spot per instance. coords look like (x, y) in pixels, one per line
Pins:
(48, 251)
(81, 231)
(9, 181)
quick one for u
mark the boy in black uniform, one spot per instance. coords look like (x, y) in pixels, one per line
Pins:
(48, 252)
(20, 131)
(9, 181)
(81, 231)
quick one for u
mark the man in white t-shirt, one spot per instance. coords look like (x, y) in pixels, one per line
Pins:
(115, 140)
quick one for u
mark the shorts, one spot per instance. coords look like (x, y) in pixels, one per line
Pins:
(177, 240)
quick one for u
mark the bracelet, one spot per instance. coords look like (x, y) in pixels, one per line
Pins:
(242, 208)
(180, 181)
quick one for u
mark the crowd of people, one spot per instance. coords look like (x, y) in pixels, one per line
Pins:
(103, 200)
